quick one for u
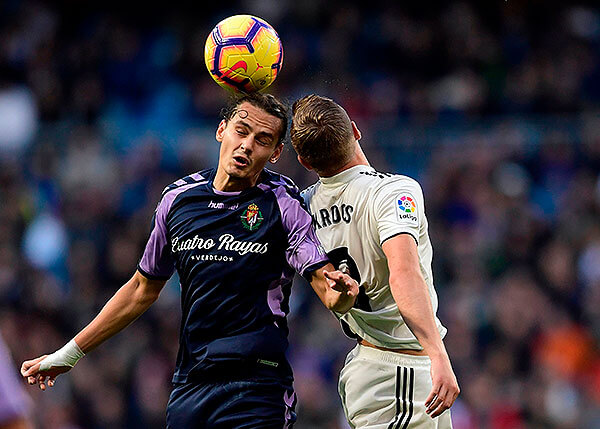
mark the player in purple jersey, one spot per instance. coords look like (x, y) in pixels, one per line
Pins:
(235, 235)
(14, 404)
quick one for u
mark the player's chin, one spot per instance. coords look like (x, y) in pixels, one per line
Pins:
(237, 171)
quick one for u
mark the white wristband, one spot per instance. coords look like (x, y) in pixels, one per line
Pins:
(68, 355)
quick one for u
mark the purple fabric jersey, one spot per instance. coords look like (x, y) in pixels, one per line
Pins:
(157, 261)
(304, 249)
(236, 254)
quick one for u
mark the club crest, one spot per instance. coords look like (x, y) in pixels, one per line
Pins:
(252, 218)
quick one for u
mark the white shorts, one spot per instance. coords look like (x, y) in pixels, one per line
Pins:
(387, 390)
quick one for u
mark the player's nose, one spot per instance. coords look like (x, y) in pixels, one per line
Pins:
(247, 144)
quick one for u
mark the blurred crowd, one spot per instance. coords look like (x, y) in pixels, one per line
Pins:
(494, 108)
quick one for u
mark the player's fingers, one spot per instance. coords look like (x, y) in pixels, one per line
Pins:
(351, 287)
(31, 366)
(438, 411)
(335, 275)
(330, 281)
(433, 409)
(32, 370)
(432, 405)
(439, 397)
(432, 395)
(25, 367)
(336, 280)
(441, 403)
(443, 406)
(31, 380)
(41, 380)
(51, 381)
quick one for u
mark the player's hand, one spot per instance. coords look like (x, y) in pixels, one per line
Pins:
(31, 371)
(445, 388)
(341, 282)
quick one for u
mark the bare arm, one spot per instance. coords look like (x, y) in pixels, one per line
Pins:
(412, 297)
(337, 290)
(126, 305)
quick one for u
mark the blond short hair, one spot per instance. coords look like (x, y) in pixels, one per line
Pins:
(322, 133)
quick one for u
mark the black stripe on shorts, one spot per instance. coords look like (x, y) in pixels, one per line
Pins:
(410, 398)
(405, 381)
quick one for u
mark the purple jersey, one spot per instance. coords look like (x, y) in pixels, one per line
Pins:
(236, 254)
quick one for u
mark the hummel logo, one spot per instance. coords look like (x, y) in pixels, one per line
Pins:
(213, 205)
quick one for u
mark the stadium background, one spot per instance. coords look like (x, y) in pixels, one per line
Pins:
(494, 107)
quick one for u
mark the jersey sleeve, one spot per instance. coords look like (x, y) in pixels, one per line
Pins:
(399, 209)
(304, 253)
(157, 261)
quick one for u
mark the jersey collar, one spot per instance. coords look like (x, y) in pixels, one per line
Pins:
(346, 175)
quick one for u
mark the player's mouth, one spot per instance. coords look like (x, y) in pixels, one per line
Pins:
(240, 161)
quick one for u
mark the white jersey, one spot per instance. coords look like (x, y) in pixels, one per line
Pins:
(354, 213)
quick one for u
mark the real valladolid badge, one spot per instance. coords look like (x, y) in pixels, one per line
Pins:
(252, 217)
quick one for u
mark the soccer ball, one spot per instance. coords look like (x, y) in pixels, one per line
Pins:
(243, 53)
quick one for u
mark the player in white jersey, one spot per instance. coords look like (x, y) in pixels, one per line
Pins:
(373, 224)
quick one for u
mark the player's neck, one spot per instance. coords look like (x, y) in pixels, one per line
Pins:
(359, 158)
(226, 183)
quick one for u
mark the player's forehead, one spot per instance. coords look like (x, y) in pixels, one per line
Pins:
(247, 114)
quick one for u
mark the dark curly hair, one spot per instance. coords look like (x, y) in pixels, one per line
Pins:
(266, 102)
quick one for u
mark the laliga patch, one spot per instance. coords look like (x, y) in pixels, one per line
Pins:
(406, 209)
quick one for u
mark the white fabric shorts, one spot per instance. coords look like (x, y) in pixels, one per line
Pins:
(387, 390)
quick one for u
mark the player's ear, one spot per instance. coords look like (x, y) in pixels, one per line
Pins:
(221, 130)
(276, 153)
(304, 164)
(356, 131)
